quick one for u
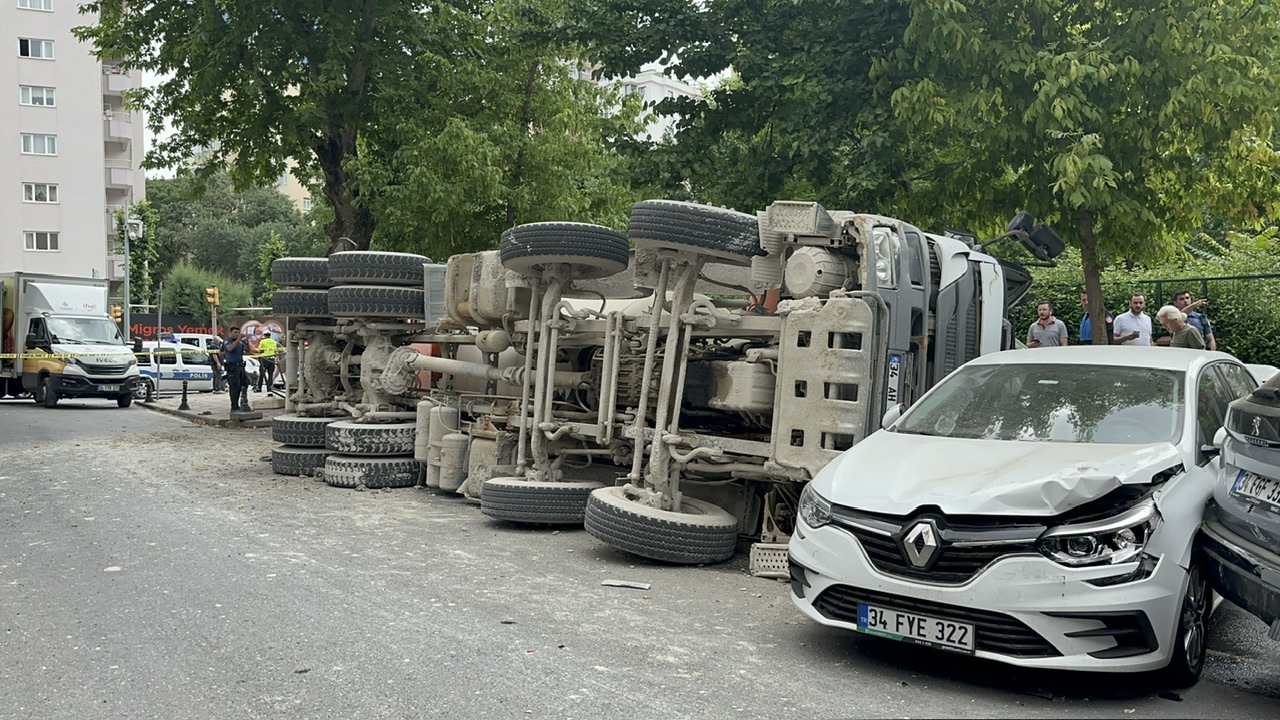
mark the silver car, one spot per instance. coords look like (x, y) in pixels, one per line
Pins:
(1240, 536)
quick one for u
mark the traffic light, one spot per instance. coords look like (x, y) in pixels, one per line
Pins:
(211, 295)
(116, 312)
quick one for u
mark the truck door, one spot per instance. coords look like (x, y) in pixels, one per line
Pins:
(32, 367)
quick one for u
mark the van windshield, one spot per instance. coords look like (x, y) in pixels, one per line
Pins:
(84, 330)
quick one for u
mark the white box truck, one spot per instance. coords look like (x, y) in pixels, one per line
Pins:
(59, 340)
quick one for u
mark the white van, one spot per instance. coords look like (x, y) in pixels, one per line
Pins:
(165, 365)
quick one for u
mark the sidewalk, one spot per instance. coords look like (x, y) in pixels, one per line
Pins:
(215, 408)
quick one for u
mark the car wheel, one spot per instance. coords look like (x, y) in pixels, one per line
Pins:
(143, 389)
(48, 396)
(526, 501)
(124, 401)
(700, 533)
(590, 251)
(1191, 644)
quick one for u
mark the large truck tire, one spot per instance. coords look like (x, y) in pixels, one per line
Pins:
(356, 438)
(525, 501)
(702, 533)
(301, 272)
(729, 236)
(366, 267)
(351, 471)
(376, 301)
(297, 461)
(591, 251)
(299, 431)
(304, 303)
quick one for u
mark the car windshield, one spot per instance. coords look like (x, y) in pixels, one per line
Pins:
(1051, 402)
(87, 330)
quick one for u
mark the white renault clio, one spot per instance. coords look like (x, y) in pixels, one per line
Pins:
(1037, 507)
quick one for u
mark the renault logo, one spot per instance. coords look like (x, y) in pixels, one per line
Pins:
(921, 543)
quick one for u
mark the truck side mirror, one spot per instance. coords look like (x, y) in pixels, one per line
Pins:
(34, 341)
(891, 415)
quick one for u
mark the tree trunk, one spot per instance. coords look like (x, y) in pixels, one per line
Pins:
(1092, 278)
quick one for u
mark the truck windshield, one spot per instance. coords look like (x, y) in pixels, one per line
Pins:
(1053, 402)
(86, 330)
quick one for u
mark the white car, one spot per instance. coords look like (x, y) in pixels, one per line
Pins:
(1037, 507)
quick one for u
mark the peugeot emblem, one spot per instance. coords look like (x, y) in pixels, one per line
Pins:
(1257, 426)
(921, 543)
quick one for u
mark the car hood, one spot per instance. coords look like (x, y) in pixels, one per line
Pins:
(94, 354)
(896, 473)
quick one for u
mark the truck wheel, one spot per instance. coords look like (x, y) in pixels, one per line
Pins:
(526, 501)
(124, 401)
(351, 471)
(301, 272)
(1191, 644)
(729, 236)
(357, 438)
(363, 267)
(592, 251)
(48, 396)
(376, 301)
(306, 303)
(299, 431)
(297, 461)
(701, 533)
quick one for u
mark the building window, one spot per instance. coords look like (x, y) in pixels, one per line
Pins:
(306, 204)
(36, 5)
(39, 192)
(41, 241)
(30, 48)
(35, 144)
(37, 95)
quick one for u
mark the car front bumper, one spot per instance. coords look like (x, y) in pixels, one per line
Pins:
(1026, 610)
(1242, 571)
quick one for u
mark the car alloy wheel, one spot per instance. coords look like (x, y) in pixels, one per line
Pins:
(1192, 620)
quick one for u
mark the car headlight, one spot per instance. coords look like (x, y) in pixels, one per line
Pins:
(886, 245)
(815, 510)
(1104, 542)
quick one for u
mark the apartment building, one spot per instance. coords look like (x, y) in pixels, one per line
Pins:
(70, 153)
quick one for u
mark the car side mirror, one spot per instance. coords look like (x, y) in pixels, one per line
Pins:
(891, 415)
(1220, 439)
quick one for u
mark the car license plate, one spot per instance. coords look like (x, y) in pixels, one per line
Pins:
(1253, 485)
(108, 388)
(913, 628)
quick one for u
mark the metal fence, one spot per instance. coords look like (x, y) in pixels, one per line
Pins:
(1243, 309)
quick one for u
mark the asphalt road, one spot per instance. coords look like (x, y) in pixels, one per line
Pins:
(154, 568)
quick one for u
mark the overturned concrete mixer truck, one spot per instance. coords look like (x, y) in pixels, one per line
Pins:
(671, 389)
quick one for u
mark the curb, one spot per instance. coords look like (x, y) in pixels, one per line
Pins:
(207, 419)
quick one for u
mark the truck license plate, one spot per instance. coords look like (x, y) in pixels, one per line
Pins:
(895, 379)
(108, 388)
(1252, 485)
(913, 628)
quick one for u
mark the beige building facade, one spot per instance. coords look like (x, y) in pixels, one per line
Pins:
(70, 153)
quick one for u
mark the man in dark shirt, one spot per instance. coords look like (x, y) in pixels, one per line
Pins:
(232, 352)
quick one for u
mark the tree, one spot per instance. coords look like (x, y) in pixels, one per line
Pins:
(262, 82)
(797, 114)
(1125, 122)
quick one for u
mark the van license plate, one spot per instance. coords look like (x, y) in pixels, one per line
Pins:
(913, 628)
(1257, 487)
(108, 388)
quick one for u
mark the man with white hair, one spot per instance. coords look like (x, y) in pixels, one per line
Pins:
(1181, 334)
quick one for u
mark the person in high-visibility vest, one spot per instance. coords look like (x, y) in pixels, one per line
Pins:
(267, 357)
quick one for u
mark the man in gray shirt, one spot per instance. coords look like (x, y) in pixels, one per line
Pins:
(1047, 330)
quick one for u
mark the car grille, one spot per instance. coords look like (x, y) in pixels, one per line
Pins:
(95, 369)
(993, 632)
(964, 549)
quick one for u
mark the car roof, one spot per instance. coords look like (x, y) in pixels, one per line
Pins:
(1161, 358)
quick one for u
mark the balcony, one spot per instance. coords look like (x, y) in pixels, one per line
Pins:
(114, 83)
(119, 175)
(117, 127)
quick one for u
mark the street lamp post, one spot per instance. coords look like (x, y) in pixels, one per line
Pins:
(132, 231)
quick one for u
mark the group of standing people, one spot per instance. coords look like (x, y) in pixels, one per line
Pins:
(1186, 325)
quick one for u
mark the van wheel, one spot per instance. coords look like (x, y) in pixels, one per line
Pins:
(48, 396)
(124, 401)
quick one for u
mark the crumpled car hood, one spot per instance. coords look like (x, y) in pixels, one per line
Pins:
(896, 473)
